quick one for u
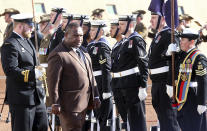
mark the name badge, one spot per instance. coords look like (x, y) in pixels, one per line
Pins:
(158, 39)
(130, 44)
(95, 50)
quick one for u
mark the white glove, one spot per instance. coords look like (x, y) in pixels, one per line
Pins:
(39, 71)
(201, 109)
(106, 95)
(169, 90)
(45, 65)
(171, 48)
(142, 94)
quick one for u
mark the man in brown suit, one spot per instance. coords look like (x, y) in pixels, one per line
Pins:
(71, 83)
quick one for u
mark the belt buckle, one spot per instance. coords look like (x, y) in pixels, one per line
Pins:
(120, 74)
(112, 74)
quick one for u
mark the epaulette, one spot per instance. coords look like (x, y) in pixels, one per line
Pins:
(201, 69)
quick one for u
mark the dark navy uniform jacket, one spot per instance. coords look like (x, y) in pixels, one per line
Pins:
(19, 59)
(114, 60)
(199, 75)
(157, 52)
(129, 54)
(100, 54)
(114, 54)
(56, 38)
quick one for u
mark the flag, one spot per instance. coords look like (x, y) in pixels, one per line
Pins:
(156, 6)
(163, 8)
(167, 13)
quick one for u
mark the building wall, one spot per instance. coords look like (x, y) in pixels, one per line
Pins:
(192, 7)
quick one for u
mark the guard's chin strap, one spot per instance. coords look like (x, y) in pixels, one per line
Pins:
(69, 20)
(127, 27)
(89, 29)
(81, 20)
(59, 11)
(116, 33)
(158, 22)
(97, 33)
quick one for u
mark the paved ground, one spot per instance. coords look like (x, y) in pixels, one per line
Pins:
(150, 114)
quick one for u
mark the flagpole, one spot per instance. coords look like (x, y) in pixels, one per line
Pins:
(172, 41)
(35, 29)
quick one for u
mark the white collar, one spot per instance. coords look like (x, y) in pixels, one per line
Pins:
(74, 49)
(164, 29)
(19, 35)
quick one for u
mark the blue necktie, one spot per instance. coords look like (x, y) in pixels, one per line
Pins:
(80, 55)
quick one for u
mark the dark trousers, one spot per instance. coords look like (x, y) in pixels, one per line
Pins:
(29, 118)
(134, 108)
(162, 105)
(188, 117)
(87, 123)
(104, 115)
(120, 103)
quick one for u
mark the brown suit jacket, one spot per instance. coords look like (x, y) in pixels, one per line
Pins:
(70, 81)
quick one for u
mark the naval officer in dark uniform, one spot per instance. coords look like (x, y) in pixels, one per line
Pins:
(191, 83)
(100, 53)
(25, 92)
(130, 73)
(118, 98)
(158, 69)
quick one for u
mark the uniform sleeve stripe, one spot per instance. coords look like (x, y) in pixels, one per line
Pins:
(26, 75)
